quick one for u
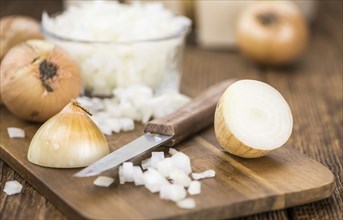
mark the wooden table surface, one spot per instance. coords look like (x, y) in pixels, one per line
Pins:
(312, 87)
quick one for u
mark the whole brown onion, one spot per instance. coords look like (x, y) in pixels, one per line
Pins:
(38, 79)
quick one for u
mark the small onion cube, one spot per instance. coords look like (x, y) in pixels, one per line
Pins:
(16, 132)
(165, 166)
(138, 176)
(12, 187)
(153, 180)
(128, 171)
(187, 203)
(127, 124)
(146, 164)
(121, 175)
(182, 161)
(174, 192)
(205, 174)
(194, 187)
(172, 151)
(180, 177)
(155, 158)
(103, 181)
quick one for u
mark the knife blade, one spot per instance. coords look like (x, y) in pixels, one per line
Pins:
(168, 130)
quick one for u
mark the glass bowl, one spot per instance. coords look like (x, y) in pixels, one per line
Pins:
(106, 65)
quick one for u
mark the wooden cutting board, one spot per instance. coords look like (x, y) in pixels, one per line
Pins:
(241, 187)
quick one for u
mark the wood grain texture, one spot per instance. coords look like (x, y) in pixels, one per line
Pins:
(313, 89)
(241, 187)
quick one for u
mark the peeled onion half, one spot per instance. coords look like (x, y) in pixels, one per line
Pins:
(252, 119)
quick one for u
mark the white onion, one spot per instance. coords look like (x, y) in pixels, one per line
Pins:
(187, 203)
(128, 63)
(138, 176)
(202, 175)
(15, 132)
(103, 181)
(174, 192)
(128, 171)
(134, 103)
(155, 158)
(165, 166)
(180, 177)
(146, 163)
(194, 187)
(172, 151)
(12, 187)
(121, 175)
(252, 119)
(182, 161)
(153, 180)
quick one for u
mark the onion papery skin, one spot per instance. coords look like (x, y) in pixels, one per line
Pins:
(22, 90)
(70, 139)
(276, 44)
(250, 147)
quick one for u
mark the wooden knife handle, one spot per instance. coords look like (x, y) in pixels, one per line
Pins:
(194, 116)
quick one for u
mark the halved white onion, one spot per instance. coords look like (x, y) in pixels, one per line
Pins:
(252, 118)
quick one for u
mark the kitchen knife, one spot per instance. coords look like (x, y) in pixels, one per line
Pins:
(168, 130)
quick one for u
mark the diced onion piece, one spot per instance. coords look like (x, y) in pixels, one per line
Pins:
(187, 203)
(174, 192)
(155, 158)
(146, 164)
(153, 180)
(172, 151)
(15, 132)
(165, 166)
(128, 171)
(127, 124)
(182, 162)
(138, 176)
(202, 175)
(121, 175)
(253, 116)
(12, 187)
(194, 187)
(103, 181)
(180, 177)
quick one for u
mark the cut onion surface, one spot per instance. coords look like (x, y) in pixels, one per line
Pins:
(202, 175)
(194, 187)
(252, 119)
(187, 203)
(170, 176)
(103, 181)
(12, 187)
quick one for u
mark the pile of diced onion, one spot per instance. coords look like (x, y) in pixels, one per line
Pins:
(171, 176)
(133, 103)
